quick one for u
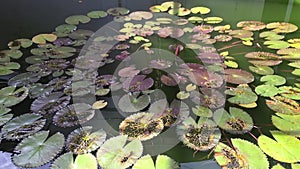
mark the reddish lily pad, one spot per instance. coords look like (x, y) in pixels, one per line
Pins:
(130, 71)
(139, 15)
(290, 92)
(10, 96)
(261, 70)
(282, 27)
(200, 9)
(238, 76)
(97, 14)
(251, 25)
(283, 105)
(118, 11)
(277, 44)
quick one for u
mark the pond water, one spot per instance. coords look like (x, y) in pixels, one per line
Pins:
(26, 19)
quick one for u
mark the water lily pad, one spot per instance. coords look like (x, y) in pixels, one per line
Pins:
(282, 27)
(115, 154)
(37, 150)
(284, 148)
(76, 19)
(24, 79)
(10, 96)
(251, 25)
(275, 80)
(296, 72)
(287, 123)
(18, 43)
(141, 126)
(23, 126)
(83, 140)
(194, 19)
(200, 9)
(4, 117)
(100, 104)
(117, 11)
(162, 161)
(179, 11)
(244, 155)
(242, 94)
(202, 111)
(261, 70)
(13, 53)
(66, 161)
(130, 71)
(277, 44)
(75, 114)
(43, 38)
(237, 122)
(238, 76)
(97, 14)
(295, 64)
(290, 92)
(139, 15)
(49, 104)
(158, 8)
(283, 105)
(138, 83)
(213, 20)
(270, 35)
(133, 102)
(208, 97)
(8, 67)
(266, 90)
(200, 136)
(241, 33)
(81, 34)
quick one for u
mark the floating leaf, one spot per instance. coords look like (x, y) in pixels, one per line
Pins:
(83, 140)
(238, 76)
(139, 15)
(251, 25)
(200, 9)
(99, 104)
(287, 123)
(64, 29)
(284, 149)
(261, 70)
(43, 38)
(8, 67)
(283, 105)
(81, 34)
(242, 94)
(141, 126)
(76, 19)
(82, 161)
(10, 96)
(237, 122)
(4, 117)
(97, 14)
(266, 90)
(213, 20)
(117, 11)
(202, 111)
(275, 80)
(276, 44)
(296, 72)
(295, 64)
(37, 150)
(133, 103)
(195, 19)
(162, 161)
(24, 79)
(179, 11)
(23, 126)
(138, 83)
(282, 27)
(182, 95)
(290, 92)
(115, 154)
(200, 136)
(18, 43)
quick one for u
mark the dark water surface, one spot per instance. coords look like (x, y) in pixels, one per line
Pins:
(26, 18)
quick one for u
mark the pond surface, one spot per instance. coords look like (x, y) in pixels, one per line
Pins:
(26, 19)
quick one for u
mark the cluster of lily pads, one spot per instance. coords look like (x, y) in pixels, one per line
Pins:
(212, 100)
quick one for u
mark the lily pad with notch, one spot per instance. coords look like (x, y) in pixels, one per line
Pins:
(237, 122)
(118, 11)
(200, 9)
(242, 94)
(290, 92)
(133, 102)
(44, 38)
(37, 150)
(123, 156)
(24, 79)
(10, 96)
(162, 161)
(8, 68)
(238, 76)
(18, 43)
(251, 25)
(76, 19)
(4, 116)
(275, 80)
(287, 123)
(22, 126)
(282, 27)
(97, 14)
(276, 44)
(267, 90)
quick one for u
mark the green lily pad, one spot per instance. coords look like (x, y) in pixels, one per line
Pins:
(275, 80)
(64, 29)
(43, 38)
(261, 70)
(278, 166)
(200, 9)
(276, 44)
(295, 64)
(13, 53)
(133, 103)
(267, 90)
(290, 92)
(162, 161)
(4, 117)
(289, 53)
(37, 150)
(238, 76)
(23, 126)
(10, 96)
(117, 11)
(179, 11)
(158, 8)
(285, 148)
(242, 94)
(213, 20)
(182, 95)
(66, 161)
(24, 79)
(282, 27)
(231, 64)
(296, 72)
(18, 43)
(97, 14)
(270, 35)
(283, 105)
(202, 111)
(287, 123)
(8, 67)
(76, 19)
(115, 154)
(237, 122)
(83, 140)
(200, 136)
(244, 155)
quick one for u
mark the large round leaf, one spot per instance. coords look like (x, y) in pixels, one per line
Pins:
(242, 94)
(287, 123)
(266, 90)
(115, 154)
(133, 103)
(4, 117)
(83, 161)
(162, 162)
(238, 76)
(76, 19)
(10, 96)
(261, 70)
(275, 80)
(284, 148)
(37, 150)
